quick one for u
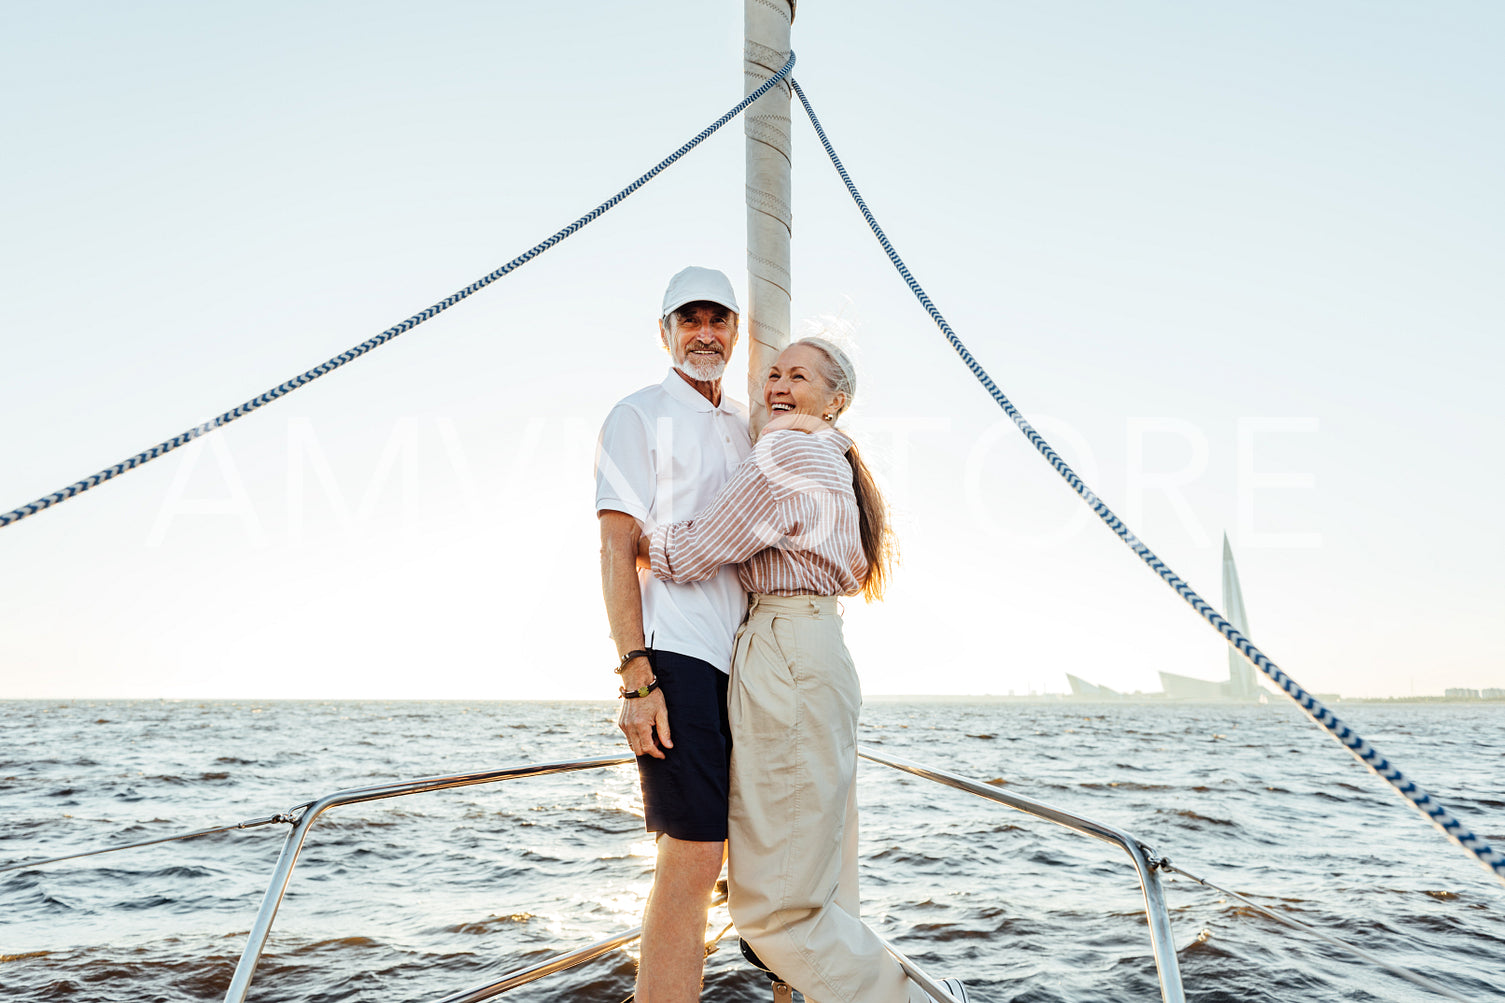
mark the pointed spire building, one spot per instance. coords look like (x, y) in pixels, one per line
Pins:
(1241, 684)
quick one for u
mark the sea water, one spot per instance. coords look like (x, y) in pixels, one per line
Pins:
(417, 897)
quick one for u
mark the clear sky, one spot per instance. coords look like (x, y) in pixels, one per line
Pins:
(1239, 263)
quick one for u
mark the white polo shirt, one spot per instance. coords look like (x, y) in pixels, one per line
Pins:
(663, 454)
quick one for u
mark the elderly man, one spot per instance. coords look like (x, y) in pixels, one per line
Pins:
(665, 452)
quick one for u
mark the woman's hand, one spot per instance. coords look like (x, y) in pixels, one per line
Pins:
(644, 562)
(795, 420)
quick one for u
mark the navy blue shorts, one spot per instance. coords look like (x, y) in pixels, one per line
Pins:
(685, 793)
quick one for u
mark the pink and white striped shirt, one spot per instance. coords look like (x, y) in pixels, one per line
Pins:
(788, 518)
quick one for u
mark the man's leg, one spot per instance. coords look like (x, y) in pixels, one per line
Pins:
(674, 923)
(684, 799)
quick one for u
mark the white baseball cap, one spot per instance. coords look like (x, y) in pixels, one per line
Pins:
(694, 285)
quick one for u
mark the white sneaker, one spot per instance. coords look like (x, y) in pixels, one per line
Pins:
(956, 988)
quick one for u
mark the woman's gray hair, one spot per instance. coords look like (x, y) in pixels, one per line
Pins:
(837, 371)
(873, 526)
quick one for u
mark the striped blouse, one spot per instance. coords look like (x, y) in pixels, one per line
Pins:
(788, 518)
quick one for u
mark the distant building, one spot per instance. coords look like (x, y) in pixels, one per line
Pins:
(1082, 688)
(1241, 684)
(1461, 693)
(1190, 688)
(1494, 694)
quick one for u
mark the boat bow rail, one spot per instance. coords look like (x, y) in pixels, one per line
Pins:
(1143, 860)
(240, 982)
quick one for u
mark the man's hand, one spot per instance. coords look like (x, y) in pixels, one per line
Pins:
(795, 420)
(640, 718)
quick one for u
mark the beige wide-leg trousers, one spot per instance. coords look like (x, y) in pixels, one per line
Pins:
(792, 872)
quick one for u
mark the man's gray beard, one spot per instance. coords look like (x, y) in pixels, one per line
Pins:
(701, 371)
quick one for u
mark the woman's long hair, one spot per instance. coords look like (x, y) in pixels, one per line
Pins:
(873, 525)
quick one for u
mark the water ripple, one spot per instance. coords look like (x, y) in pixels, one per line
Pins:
(418, 898)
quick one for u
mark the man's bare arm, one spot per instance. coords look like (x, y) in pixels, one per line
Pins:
(642, 717)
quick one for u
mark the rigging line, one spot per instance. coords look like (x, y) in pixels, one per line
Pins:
(286, 818)
(1367, 754)
(183, 438)
(1404, 973)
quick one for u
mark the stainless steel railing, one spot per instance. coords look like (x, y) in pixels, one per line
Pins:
(559, 963)
(1166, 966)
(240, 982)
(1155, 910)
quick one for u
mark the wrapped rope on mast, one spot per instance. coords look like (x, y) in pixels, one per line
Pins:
(765, 323)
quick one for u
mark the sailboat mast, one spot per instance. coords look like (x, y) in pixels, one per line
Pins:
(766, 25)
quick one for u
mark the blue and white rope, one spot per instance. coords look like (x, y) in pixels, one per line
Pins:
(1351, 740)
(182, 439)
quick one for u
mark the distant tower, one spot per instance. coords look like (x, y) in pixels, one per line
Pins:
(1242, 684)
(1241, 681)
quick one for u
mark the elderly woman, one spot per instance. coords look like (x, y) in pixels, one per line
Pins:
(805, 522)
